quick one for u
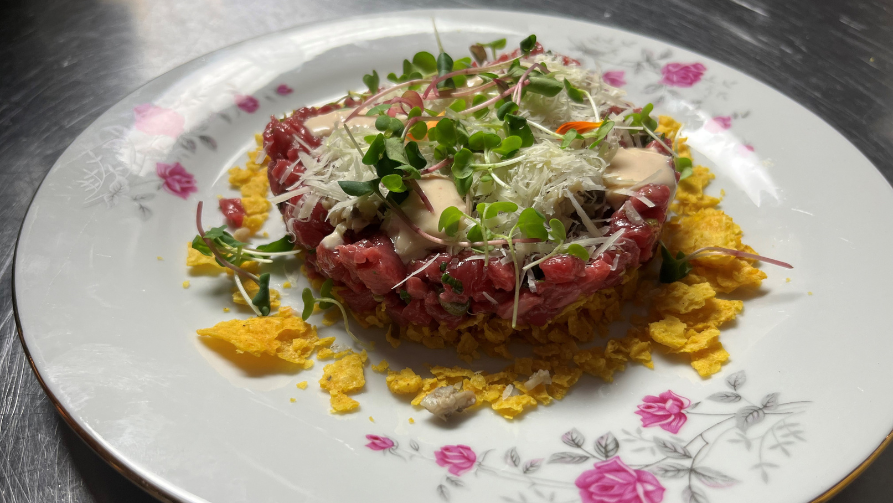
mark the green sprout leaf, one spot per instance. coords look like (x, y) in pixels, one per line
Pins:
(281, 245)
(494, 46)
(480, 114)
(445, 66)
(557, 232)
(461, 81)
(262, 299)
(517, 126)
(394, 183)
(415, 112)
(309, 302)
(531, 222)
(446, 133)
(528, 44)
(199, 244)
(673, 268)
(378, 109)
(602, 132)
(405, 296)
(569, 137)
(462, 164)
(373, 153)
(576, 95)
(483, 140)
(643, 118)
(450, 220)
(394, 150)
(493, 209)
(382, 123)
(545, 85)
(425, 62)
(684, 167)
(371, 82)
(463, 184)
(358, 189)
(506, 108)
(415, 157)
(475, 234)
(508, 146)
(325, 291)
(410, 172)
(419, 130)
(458, 105)
(578, 251)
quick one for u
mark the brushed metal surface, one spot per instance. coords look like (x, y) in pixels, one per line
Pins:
(63, 63)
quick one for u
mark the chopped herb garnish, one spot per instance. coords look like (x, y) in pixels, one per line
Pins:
(673, 268)
(456, 284)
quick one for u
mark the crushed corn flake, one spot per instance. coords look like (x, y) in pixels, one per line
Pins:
(302, 385)
(186, 284)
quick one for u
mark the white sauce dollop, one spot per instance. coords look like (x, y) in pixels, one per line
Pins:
(631, 166)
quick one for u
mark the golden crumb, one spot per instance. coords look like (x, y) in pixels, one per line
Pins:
(302, 385)
(159, 257)
(219, 196)
(809, 293)
(381, 367)
(787, 280)
(371, 420)
(287, 284)
(292, 400)
(186, 284)
(225, 309)
(266, 234)
(411, 421)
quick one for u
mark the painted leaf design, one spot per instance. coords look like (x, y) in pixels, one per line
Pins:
(532, 465)
(671, 449)
(453, 481)
(736, 380)
(693, 495)
(770, 401)
(573, 438)
(725, 397)
(748, 416)
(713, 478)
(188, 144)
(607, 446)
(443, 492)
(670, 471)
(414, 445)
(568, 458)
(209, 142)
(512, 458)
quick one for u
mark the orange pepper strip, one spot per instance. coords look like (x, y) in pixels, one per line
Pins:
(580, 126)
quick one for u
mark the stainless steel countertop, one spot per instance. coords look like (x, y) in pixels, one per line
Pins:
(63, 63)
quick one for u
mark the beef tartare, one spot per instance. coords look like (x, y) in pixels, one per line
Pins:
(505, 189)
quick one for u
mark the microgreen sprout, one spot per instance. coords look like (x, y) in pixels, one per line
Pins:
(325, 301)
(674, 268)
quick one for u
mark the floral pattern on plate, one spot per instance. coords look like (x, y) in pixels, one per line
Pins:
(653, 467)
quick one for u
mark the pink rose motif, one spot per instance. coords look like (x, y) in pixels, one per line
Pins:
(614, 78)
(718, 124)
(247, 103)
(284, 90)
(460, 458)
(682, 75)
(612, 481)
(744, 149)
(377, 443)
(177, 180)
(664, 410)
(157, 121)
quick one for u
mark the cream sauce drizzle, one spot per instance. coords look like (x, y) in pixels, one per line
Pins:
(633, 165)
(323, 125)
(442, 194)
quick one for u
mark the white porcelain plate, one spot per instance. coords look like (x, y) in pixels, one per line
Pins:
(803, 402)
